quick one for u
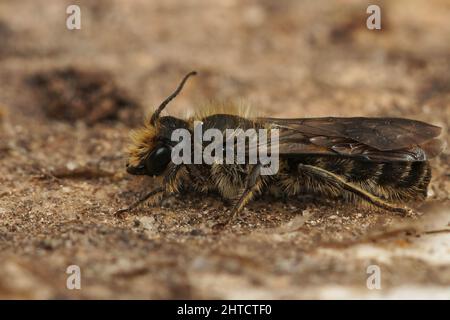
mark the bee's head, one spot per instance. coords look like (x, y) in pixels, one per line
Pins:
(151, 148)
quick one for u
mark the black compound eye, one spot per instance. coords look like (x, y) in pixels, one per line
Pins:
(158, 160)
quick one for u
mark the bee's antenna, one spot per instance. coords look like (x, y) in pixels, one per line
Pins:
(155, 115)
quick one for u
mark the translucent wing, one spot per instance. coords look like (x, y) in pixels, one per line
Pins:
(377, 139)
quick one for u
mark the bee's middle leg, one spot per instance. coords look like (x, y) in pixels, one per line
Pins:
(253, 185)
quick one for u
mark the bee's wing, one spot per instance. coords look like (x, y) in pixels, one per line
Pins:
(378, 139)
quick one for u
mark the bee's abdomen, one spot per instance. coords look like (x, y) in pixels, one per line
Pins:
(396, 181)
(404, 174)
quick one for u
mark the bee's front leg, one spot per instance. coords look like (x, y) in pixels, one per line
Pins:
(170, 185)
(196, 173)
(141, 200)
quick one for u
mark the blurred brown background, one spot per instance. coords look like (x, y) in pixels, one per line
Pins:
(68, 99)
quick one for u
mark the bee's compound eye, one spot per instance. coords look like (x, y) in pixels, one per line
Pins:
(158, 160)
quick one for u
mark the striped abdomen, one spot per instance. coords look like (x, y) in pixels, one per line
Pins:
(395, 181)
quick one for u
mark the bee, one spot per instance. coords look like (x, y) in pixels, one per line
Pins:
(377, 162)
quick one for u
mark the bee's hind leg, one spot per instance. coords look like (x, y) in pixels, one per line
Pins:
(357, 191)
(253, 185)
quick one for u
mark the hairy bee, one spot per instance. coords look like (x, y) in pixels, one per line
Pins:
(381, 162)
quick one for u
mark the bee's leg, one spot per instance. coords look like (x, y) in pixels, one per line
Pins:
(253, 185)
(141, 200)
(195, 172)
(340, 182)
(170, 185)
(172, 179)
